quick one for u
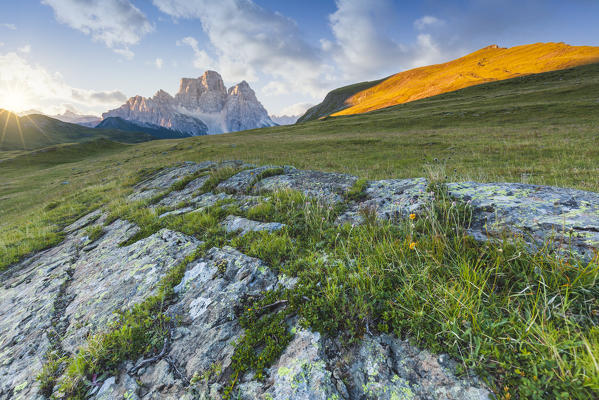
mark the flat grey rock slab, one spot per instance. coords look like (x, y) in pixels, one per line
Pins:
(379, 367)
(235, 164)
(166, 178)
(110, 278)
(567, 217)
(384, 367)
(244, 180)
(182, 196)
(179, 211)
(84, 221)
(30, 292)
(390, 199)
(329, 187)
(242, 225)
(209, 294)
(209, 199)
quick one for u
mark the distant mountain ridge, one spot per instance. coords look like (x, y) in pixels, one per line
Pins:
(284, 119)
(156, 131)
(71, 117)
(202, 106)
(36, 131)
(489, 64)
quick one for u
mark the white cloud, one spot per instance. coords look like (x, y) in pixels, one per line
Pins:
(201, 59)
(12, 27)
(25, 49)
(426, 21)
(250, 41)
(25, 86)
(126, 53)
(296, 109)
(1, 44)
(159, 62)
(116, 23)
(364, 48)
(246, 41)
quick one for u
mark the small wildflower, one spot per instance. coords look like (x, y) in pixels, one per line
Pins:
(412, 245)
(412, 216)
(249, 309)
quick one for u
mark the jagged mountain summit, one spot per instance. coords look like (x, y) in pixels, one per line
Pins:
(202, 106)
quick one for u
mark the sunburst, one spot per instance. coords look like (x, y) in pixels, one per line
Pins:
(17, 120)
(37, 127)
(5, 124)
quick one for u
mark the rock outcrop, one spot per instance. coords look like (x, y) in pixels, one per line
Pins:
(58, 297)
(202, 106)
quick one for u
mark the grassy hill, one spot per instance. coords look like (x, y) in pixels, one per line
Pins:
(37, 131)
(540, 129)
(486, 65)
(336, 100)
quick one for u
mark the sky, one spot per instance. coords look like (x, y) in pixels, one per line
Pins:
(89, 56)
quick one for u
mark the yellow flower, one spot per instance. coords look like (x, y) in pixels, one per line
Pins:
(412, 245)
(412, 216)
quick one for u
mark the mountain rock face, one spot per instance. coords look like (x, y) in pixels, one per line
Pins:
(202, 106)
(57, 298)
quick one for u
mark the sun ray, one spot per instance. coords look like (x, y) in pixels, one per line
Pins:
(20, 131)
(5, 125)
(37, 127)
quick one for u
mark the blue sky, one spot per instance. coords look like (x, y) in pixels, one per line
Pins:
(90, 55)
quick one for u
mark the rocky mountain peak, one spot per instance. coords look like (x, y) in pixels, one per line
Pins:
(243, 90)
(162, 95)
(204, 101)
(210, 81)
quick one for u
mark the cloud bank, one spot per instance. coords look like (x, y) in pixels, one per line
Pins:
(116, 23)
(25, 86)
(249, 42)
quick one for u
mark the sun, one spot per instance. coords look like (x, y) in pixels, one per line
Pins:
(13, 101)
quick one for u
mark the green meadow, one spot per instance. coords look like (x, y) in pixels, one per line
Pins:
(446, 292)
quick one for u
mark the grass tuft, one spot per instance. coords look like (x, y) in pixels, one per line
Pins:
(357, 191)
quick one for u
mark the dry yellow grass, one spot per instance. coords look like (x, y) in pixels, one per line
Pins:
(486, 65)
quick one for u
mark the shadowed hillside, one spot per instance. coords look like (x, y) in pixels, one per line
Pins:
(36, 131)
(486, 65)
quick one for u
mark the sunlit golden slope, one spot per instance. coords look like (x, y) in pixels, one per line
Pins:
(489, 64)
